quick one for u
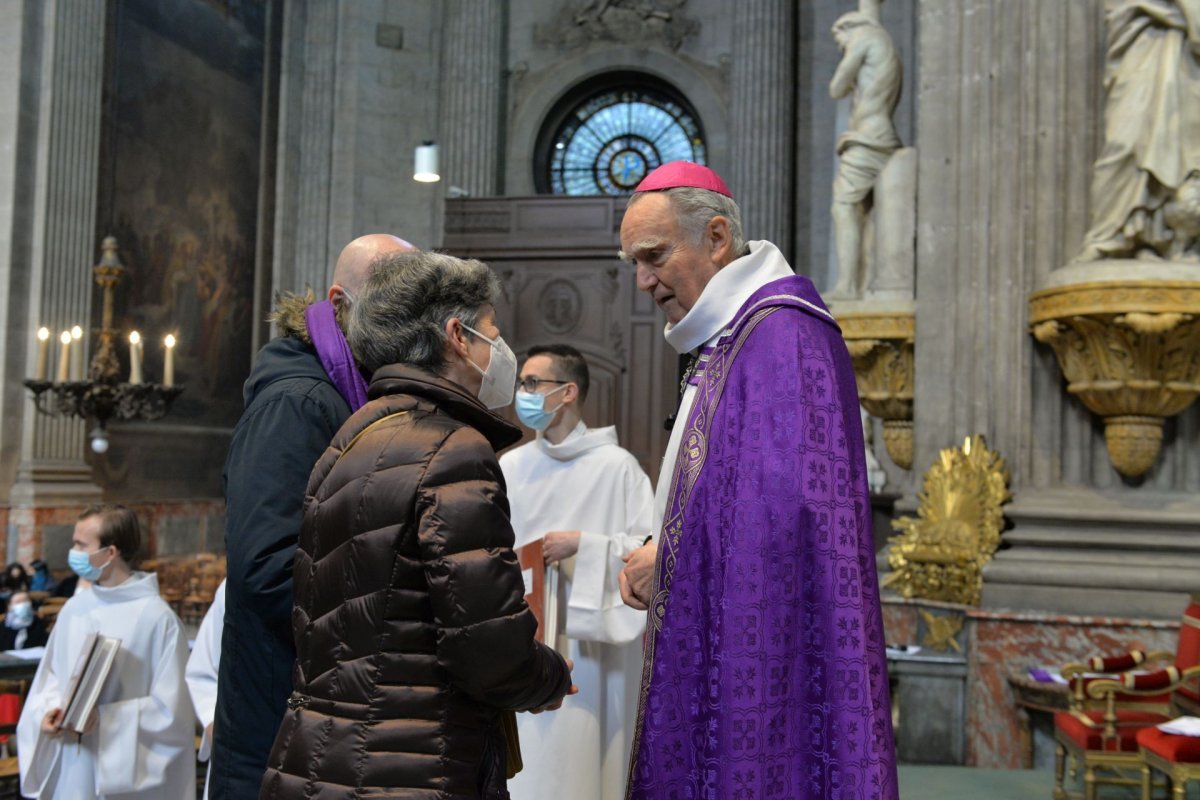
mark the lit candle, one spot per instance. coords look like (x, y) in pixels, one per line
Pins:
(43, 362)
(135, 357)
(76, 353)
(64, 357)
(169, 361)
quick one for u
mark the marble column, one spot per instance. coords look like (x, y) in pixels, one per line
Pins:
(63, 243)
(472, 83)
(762, 93)
(304, 248)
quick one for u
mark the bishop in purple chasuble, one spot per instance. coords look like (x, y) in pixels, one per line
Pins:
(765, 674)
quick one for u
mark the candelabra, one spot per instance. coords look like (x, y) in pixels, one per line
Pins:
(103, 396)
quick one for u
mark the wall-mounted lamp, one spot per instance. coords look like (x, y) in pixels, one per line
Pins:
(425, 163)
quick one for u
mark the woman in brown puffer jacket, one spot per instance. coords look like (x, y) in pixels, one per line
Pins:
(412, 633)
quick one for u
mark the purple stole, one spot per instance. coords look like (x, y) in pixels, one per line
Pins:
(765, 674)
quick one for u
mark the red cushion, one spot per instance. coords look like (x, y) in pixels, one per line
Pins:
(1170, 746)
(1090, 737)
(10, 711)
(1121, 663)
(1187, 652)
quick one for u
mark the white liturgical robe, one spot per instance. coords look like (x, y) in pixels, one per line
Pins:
(201, 672)
(144, 746)
(590, 484)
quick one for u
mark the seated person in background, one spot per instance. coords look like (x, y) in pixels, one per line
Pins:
(42, 580)
(21, 627)
(16, 579)
(139, 742)
(67, 586)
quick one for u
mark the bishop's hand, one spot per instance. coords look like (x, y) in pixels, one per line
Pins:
(638, 576)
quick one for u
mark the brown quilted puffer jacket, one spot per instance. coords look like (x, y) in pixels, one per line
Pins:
(412, 632)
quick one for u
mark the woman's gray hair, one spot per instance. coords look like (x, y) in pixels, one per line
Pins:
(401, 315)
(695, 208)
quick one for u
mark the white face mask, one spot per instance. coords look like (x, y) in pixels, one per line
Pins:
(500, 377)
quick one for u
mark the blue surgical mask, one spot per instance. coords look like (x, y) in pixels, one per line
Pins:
(531, 409)
(82, 564)
(20, 615)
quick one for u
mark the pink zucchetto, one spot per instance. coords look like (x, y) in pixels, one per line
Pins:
(683, 173)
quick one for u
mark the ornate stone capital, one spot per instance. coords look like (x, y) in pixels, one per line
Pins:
(1130, 351)
(881, 348)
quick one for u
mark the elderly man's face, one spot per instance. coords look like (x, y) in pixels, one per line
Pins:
(670, 266)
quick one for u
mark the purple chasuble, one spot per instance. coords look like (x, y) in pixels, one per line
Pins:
(765, 674)
(334, 354)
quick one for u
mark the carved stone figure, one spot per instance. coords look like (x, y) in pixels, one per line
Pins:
(870, 69)
(876, 477)
(1146, 182)
(627, 21)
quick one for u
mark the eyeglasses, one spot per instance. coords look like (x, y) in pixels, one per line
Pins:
(531, 384)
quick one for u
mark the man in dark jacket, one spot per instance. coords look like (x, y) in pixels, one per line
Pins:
(303, 386)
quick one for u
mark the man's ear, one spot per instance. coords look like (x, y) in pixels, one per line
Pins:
(571, 393)
(720, 241)
(336, 294)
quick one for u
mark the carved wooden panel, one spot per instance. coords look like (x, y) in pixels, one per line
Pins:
(564, 284)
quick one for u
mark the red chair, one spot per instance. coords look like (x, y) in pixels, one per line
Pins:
(1176, 757)
(1113, 700)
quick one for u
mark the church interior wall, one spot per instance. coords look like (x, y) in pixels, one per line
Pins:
(548, 56)
(1002, 100)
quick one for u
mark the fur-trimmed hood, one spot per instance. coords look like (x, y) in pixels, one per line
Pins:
(289, 315)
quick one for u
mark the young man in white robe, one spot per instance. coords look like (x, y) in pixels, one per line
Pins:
(139, 742)
(591, 502)
(203, 667)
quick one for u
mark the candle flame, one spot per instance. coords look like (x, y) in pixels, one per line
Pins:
(169, 341)
(135, 337)
(65, 338)
(76, 332)
(43, 333)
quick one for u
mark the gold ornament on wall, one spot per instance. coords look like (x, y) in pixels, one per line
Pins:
(1130, 351)
(940, 553)
(881, 349)
(941, 631)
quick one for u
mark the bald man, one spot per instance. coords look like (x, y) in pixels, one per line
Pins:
(303, 386)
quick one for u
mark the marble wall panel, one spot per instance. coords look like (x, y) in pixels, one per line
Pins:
(1001, 643)
(168, 528)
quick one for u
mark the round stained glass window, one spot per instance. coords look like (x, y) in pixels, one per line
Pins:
(610, 141)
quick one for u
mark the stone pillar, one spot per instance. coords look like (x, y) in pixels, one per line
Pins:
(63, 242)
(472, 82)
(304, 250)
(762, 92)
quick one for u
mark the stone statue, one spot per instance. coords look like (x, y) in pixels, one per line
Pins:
(1146, 182)
(876, 477)
(870, 69)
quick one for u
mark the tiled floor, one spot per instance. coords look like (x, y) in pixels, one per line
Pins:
(953, 783)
